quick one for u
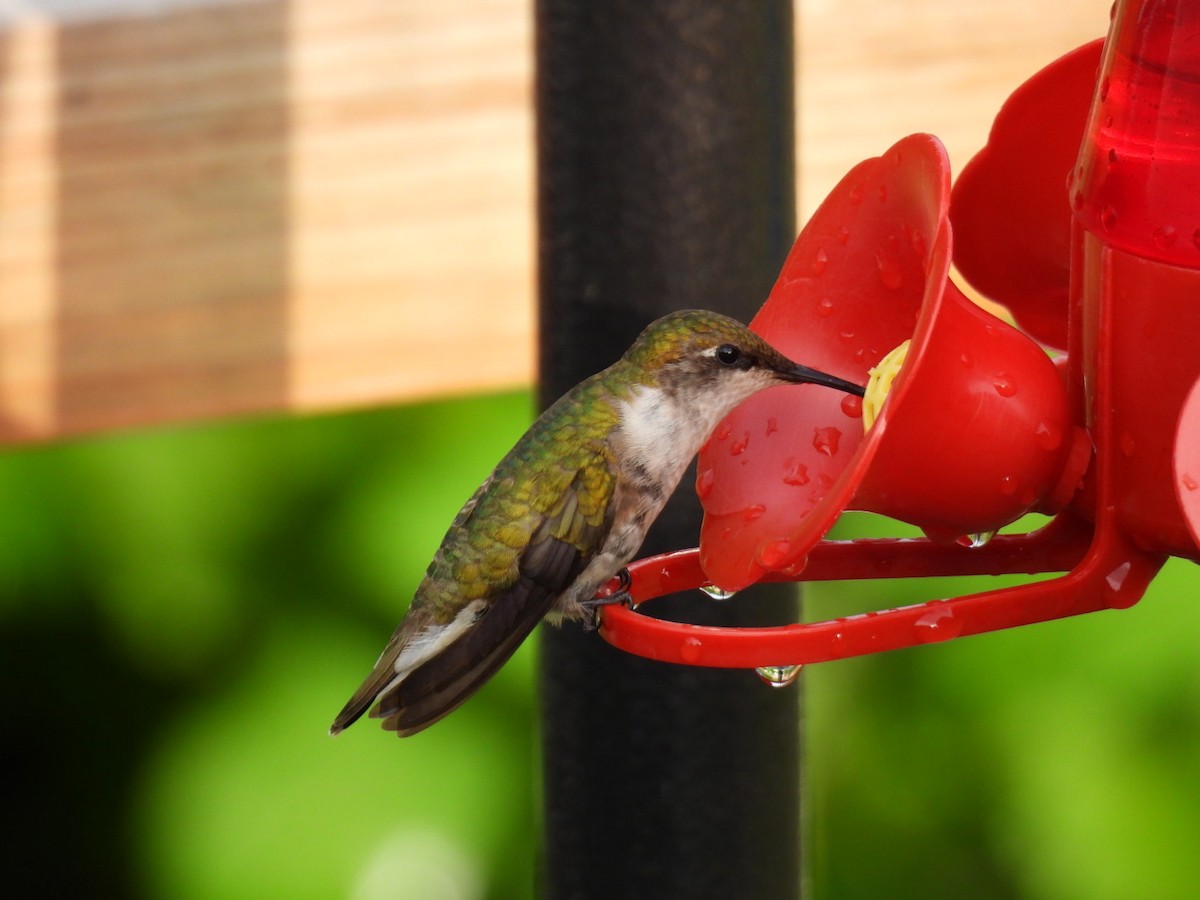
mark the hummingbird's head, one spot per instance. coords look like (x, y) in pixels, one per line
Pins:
(705, 354)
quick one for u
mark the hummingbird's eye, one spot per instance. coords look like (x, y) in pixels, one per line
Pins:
(728, 355)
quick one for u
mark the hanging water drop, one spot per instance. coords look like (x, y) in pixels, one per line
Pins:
(778, 676)
(717, 593)
(976, 540)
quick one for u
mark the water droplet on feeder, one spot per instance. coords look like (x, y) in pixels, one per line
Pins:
(917, 240)
(1008, 485)
(826, 440)
(891, 274)
(778, 676)
(1047, 436)
(825, 307)
(772, 554)
(1165, 237)
(852, 406)
(691, 650)
(796, 473)
(738, 447)
(937, 625)
(820, 261)
(717, 593)
(976, 540)
(750, 513)
(1004, 385)
(1116, 578)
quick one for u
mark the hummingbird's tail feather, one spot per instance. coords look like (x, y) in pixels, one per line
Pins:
(362, 699)
(417, 639)
(430, 668)
(446, 680)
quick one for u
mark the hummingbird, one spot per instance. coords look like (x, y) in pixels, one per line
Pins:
(565, 510)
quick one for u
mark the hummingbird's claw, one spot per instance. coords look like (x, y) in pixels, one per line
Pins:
(621, 595)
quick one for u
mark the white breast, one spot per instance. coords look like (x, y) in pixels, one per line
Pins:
(661, 435)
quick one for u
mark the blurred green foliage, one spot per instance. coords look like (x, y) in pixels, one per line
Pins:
(181, 615)
(1059, 760)
(183, 612)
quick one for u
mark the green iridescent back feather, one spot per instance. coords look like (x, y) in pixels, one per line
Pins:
(558, 480)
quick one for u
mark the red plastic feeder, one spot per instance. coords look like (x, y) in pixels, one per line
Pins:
(980, 425)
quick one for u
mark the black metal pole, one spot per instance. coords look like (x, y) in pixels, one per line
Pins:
(665, 177)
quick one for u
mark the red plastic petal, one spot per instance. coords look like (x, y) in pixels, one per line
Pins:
(775, 474)
(1011, 210)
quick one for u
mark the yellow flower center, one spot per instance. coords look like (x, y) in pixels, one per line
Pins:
(879, 384)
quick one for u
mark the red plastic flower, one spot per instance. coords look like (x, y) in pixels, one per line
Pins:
(976, 430)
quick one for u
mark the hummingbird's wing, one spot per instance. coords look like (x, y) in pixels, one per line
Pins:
(570, 522)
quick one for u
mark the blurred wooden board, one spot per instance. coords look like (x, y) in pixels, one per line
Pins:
(209, 209)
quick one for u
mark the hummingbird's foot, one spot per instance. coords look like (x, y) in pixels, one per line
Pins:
(621, 595)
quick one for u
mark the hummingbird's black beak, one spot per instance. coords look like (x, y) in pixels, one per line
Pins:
(804, 375)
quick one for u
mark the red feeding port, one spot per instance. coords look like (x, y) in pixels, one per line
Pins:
(1100, 255)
